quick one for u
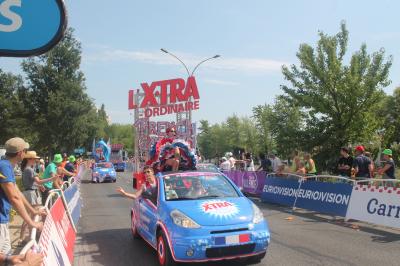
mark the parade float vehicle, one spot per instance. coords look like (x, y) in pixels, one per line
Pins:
(118, 157)
(199, 216)
(103, 172)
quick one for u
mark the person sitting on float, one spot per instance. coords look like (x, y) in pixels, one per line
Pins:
(172, 162)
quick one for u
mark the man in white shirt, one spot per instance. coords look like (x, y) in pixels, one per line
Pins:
(225, 165)
(275, 162)
(231, 160)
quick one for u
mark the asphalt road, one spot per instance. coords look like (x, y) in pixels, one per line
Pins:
(308, 239)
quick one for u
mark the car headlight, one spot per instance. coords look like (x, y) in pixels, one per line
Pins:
(257, 215)
(182, 220)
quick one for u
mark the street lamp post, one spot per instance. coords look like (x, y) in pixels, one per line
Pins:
(189, 113)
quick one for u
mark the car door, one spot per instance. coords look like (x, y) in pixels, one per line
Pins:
(148, 217)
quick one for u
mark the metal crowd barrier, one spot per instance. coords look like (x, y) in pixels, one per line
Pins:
(341, 178)
(54, 194)
(373, 181)
(319, 177)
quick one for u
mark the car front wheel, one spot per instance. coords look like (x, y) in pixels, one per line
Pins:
(163, 252)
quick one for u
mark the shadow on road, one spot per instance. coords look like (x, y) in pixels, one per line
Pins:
(380, 234)
(116, 247)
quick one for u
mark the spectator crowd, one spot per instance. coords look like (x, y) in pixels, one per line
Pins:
(358, 166)
(39, 176)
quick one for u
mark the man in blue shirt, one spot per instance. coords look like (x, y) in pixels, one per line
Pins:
(362, 164)
(10, 195)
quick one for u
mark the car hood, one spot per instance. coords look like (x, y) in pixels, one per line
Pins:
(216, 212)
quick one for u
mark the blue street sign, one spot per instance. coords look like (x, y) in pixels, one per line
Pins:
(30, 27)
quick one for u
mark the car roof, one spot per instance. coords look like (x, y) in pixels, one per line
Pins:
(191, 173)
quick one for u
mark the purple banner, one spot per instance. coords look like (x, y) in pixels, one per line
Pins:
(249, 182)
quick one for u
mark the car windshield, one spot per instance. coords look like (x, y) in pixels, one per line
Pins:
(197, 186)
(104, 165)
(207, 167)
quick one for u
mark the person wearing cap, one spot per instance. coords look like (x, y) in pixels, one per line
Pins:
(388, 169)
(225, 164)
(10, 195)
(70, 167)
(30, 180)
(53, 170)
(362, 164)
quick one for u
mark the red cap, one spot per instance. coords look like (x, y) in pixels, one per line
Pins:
(360, 148)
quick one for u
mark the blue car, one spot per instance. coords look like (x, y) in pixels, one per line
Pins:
(197, 217)
(207, 167)
(103, 172)
(121, 166)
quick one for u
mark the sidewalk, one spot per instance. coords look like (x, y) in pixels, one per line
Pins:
(15, 227)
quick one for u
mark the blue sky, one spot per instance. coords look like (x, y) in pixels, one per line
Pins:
(121, 43)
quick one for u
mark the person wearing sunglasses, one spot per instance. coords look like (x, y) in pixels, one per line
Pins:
(10, 195)
(149, 187)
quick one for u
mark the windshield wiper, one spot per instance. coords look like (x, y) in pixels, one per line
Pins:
(208, 197)
(181, 198)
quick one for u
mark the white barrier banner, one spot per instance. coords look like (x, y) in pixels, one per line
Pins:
(378, 205)
(58, 238)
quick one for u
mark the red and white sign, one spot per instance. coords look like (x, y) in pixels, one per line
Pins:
(167, 97)
(58, 237)
(378, 205)
(219, 208)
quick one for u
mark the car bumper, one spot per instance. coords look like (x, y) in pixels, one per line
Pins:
(103, 178)
(203, 246)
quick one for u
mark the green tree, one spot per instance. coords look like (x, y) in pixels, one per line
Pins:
(262, 115)
(284, 122)
(339, 100)
(236, 133)
(122, 134)
(62, 112)
(204, 139)
(389, 114)
(249, 136)
(13, 113)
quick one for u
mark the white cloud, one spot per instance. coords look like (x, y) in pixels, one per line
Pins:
(242, 64)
